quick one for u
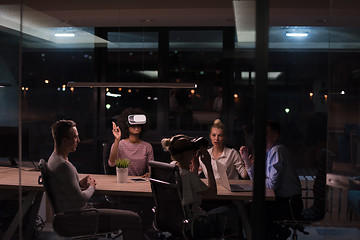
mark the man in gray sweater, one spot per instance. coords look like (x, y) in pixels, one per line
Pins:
(72, 194)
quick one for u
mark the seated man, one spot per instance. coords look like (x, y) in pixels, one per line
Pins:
(280, 176)
(67, 189)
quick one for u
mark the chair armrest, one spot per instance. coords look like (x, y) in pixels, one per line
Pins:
(162, 182)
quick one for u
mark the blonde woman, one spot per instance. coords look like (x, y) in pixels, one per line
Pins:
(229, 157)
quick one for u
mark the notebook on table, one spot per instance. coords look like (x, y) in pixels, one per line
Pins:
(225, 181)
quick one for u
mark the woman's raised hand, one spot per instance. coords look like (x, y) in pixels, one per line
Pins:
(116, 131)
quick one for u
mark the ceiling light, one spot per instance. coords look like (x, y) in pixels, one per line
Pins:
(148, 73)
(296, 34)
(271, 75)
(109, 94)
(64, 34)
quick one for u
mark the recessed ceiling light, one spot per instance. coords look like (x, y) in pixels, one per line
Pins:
(297, 34)
(64, 34)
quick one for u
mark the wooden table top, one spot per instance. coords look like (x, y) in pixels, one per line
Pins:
(106, 184)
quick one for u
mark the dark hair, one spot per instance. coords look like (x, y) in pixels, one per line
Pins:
(60, 130)
(182, 143)
(274, 126)
(123, 123)
(175, 143)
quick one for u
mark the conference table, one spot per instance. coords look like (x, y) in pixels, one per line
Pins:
(106, 185)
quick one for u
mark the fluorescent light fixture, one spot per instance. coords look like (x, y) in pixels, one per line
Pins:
(132, 84)
(64, 34)
(148, 73)
(271, 75)
(109, 94)
(297, 34)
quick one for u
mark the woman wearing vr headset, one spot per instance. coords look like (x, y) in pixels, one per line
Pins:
(229, 157)
(128, 143)
(186, 152)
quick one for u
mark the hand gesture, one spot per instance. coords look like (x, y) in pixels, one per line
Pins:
(116, 131)
(252, 159)
(194, 166)
(205, 156)
(244, 153)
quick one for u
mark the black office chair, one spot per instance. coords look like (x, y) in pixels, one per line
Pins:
(316, 212)
(81, 224)
(170, 215)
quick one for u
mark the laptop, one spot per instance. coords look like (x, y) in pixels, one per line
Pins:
(225, 181)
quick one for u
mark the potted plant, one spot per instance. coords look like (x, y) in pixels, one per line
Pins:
(122, 165)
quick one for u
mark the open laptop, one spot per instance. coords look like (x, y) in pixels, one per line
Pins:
(225, 181)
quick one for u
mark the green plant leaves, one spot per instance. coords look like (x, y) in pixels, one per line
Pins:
(122, 163)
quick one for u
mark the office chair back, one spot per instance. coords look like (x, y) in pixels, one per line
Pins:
(44, 180)
(166, 188)
(76, 224)
(316, 212)
(106, 147)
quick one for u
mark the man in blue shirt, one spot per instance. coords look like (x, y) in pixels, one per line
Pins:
(281, 176)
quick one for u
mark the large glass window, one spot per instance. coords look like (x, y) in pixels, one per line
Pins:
(133, 58)
(312, 89)
(195, 56)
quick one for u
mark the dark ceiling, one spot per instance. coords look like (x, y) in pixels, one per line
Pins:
(93, 13)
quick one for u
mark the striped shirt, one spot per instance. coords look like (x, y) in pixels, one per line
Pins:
(139, 155)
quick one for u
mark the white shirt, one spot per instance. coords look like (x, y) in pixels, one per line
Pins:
(231, 159)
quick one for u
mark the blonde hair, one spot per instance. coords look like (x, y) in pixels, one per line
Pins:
(218, 124)
(176, 142)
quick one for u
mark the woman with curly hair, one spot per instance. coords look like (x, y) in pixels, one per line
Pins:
(128, 144)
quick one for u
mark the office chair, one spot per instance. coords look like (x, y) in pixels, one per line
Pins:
(82, 224)
(314, 213)
(170, 215)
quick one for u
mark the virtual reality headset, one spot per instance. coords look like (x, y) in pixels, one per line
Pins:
(195, 144)
(137, 119)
